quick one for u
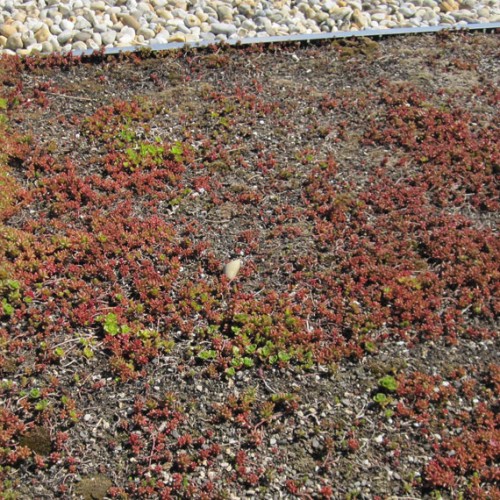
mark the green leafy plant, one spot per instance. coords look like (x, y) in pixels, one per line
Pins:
(382, 399)
(11, 291)
(111, 326)
(388, 383)
(207, 355)
(59, 352)
(144, 152)
(177, 150)
(35, 393)
(7, 309)
(41, 405)
(88, 347)
(126, 133)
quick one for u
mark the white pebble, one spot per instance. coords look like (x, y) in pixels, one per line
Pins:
(14, 42)
(66, 24)
(232, 268)
(79, 46)
(82, 23)
(126, 35)
(65, 36)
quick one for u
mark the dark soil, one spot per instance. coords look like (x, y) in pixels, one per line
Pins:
(355, 354)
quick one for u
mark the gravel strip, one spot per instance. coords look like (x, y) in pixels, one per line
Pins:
(47, 26)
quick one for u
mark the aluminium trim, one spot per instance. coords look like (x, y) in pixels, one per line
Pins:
(295, 38)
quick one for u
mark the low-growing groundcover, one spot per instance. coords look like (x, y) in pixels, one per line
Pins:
(354, 355)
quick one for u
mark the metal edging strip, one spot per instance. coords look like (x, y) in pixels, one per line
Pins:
(294, 38)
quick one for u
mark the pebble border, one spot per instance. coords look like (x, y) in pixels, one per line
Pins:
(32, 27)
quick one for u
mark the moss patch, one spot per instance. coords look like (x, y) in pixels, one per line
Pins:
(38, 440)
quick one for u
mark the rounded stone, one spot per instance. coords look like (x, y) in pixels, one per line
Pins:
(321, 17)
(360, 19)
(46, 47)
(164, 14)
(463, 15)
(67, 24)
(55, 29)
(82, 23)
(207, 36)
(82, 36)
(449, 6)
(249, 25)
(96, 37)
(101, 28)
(146, 33)
(65, 10)
(108, 37)
(232, 268)
(43, 34)
(20, 16)
(161, 37)
(65, 37)
(79, 46)
(14, 42)
(206, 28)
(33, 24)
(55, 44)
(89, 15)
(192, 20)
(379, 16)
(36, 49)
(130, 21)
(7, 30)
(178, 4)
(126, 35)
(99, 6)
(341, 13)
(179, 14)
(91, 44)
(224, 12)
(177, 37)
(246, 10)
(407, 11)
(28, 39)
(223, 29)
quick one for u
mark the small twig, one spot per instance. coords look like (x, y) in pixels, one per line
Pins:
(240, 148)
(463, 311)
(152, 451)
(267, 420)
(236, 149)
(94, 430)
(268, 387)
(71, 96)
(406, 498)
(220, 221)
(70, 363)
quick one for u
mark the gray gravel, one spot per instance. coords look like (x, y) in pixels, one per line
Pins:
(46, 26)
